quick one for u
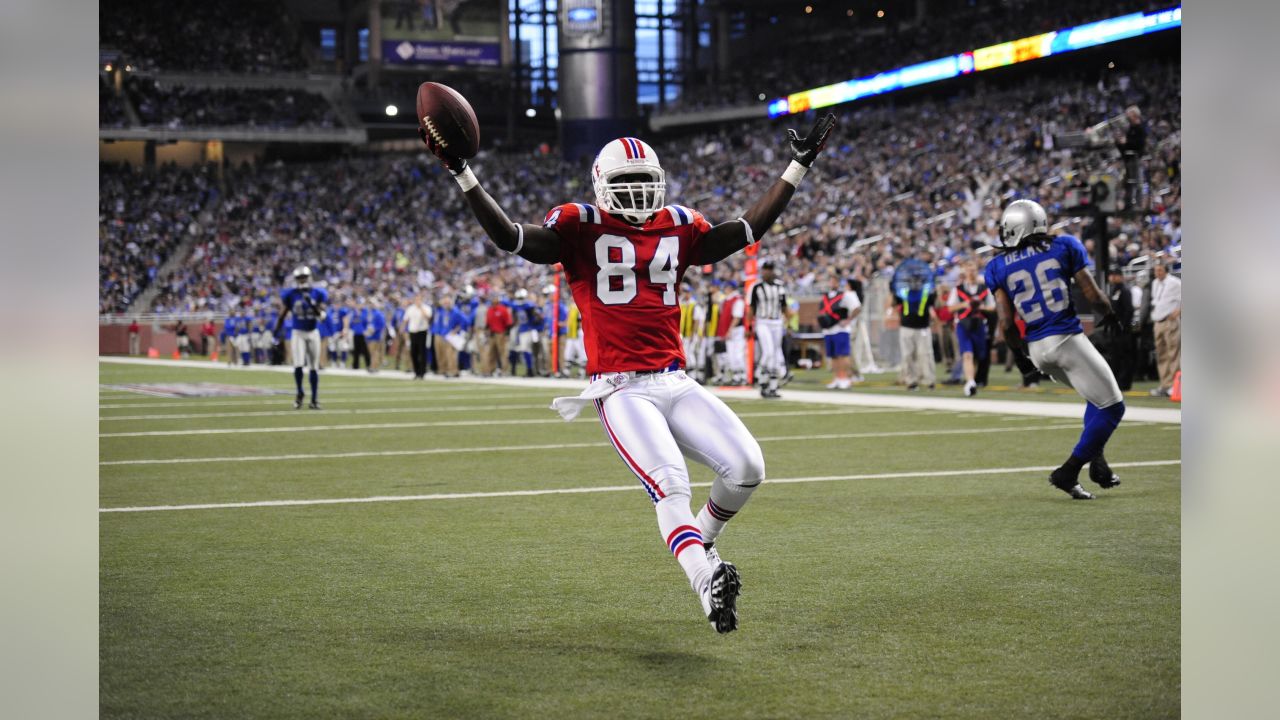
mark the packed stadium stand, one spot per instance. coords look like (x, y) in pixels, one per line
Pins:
(930, 173)
(229, 36)
(274, 167)
(162, 104)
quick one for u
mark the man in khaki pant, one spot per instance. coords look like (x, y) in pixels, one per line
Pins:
(447, 324)
(498, 322)
(915, 337)
(1166, 313)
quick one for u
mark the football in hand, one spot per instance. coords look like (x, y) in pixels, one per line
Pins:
(448, 119)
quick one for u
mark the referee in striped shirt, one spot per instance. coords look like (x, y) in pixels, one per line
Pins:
(769, 313)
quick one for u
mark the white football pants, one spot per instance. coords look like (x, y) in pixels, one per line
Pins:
(735, 350)
(769, 338)
(655, 421)
(1073, 361)
(304, 346)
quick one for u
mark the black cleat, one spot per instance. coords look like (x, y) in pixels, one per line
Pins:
(314, 405)
(297, 401)
(1064, 481)
(1100, 472)
(786, 378)
(725, 586)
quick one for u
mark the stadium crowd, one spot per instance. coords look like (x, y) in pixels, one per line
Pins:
(900, 181)
(230, 36)
(110, 110)
(176, 106)
(806, 51)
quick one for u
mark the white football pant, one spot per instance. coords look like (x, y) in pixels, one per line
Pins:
(1073, 361)
(735, 350)
(305, 349)
(769, 338)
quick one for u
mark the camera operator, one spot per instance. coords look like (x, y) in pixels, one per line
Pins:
(1132, 148)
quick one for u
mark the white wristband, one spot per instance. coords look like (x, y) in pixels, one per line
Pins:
(466, 179)
(794, 172)
(519, 239)
(751, 236)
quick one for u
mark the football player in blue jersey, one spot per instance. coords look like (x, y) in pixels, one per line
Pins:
(1031, 277)
(306, 304)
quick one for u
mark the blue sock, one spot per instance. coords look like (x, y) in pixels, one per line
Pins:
(297, 378)
(244, 358)
(1099, 423)
(315, 383)
(528, 363)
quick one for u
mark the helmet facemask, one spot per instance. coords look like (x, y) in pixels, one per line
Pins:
(632, 193)
(628, 181)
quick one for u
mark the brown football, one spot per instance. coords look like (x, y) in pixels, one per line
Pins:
(448, 118)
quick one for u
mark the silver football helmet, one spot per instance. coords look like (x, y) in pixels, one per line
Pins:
(1021, 219)
(302, 276)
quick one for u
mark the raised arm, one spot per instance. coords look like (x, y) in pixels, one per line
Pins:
(728, 238)
(531, 242)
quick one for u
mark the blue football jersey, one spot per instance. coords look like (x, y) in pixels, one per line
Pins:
(304, 305)
(1038, 281)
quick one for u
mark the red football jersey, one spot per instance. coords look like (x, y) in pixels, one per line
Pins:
(626, 281)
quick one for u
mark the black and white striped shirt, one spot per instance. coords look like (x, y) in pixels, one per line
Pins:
(769, 300)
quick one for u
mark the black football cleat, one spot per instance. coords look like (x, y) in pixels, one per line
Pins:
(314, 405)
(1100, 473)
(726, 583)
(1068, 483)
(297, 401)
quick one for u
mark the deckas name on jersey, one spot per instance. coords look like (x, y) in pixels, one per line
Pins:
(626, 280)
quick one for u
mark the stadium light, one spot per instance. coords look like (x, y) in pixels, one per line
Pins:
(392, 111)
(530, 113)
(879, 13)
(987, 58)
(808, 9)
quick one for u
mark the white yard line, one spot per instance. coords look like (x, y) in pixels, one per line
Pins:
(560, 446)
(327, 411)
(610, 488)
(1033, 408)
(442, 423)
(285, 400)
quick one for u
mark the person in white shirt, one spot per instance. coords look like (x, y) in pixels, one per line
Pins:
(417, 321)
(1166, 313)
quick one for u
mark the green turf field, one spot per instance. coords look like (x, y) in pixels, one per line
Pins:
(933, 592)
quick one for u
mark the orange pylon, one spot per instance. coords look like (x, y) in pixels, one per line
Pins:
(1175, 394)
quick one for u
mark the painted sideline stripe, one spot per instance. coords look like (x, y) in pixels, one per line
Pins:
(441, 423)
(1043, 409)
(142, 399)
(608, 488)
(326, 411)
(562, 446)
(288, 398)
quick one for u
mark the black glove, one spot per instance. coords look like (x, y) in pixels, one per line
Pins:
(1111, 324)
(1025, 366)
(806, 148)
(455, 165)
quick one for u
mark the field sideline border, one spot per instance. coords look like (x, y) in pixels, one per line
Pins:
(1031, 408)
(606, 488)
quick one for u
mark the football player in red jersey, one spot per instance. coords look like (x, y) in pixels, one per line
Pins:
(625, 257)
